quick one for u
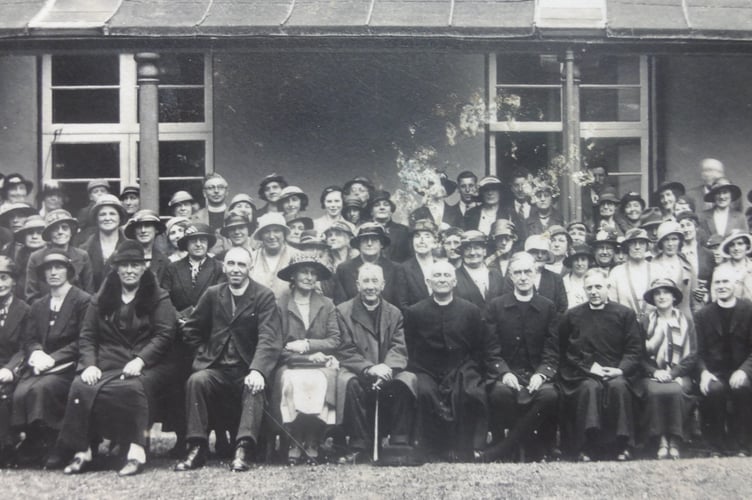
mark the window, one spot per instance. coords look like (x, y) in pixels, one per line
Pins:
(90, 122)
(526, 90)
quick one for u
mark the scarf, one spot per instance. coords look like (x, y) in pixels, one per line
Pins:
(667, 342)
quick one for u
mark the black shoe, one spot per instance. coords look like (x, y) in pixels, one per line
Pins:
(55, 460)
(241, 462)
(195, 458)
(131, 468)
(77, 466)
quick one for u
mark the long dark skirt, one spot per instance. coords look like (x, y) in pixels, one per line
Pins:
(667, 408)
(41, 399)
(6, 399)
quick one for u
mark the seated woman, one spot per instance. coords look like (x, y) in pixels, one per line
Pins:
(50, 345)
(304, 388)
(671, 348)
(128, 329)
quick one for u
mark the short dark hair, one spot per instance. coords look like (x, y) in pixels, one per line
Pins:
(518, 172)
(466, 174)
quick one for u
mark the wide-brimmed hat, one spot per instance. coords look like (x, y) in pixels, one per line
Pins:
(735, 235)
(144, 216)
(605, 237)
(176, 220)
(55, 255)
(451, 231)
(342, 226)
(310, 239)
(291, 191)
(370, 229)
(130, 189)
(538, 242)
(32, 222)
(108, 200)
(14, 179)
(676, 187)
(449, 185)
(503, 227)
(306, 221)
(241, 197)
(490, 182)
(608, 193)
(650, 217)
(426, 225)
(635, 234)
(720, 184)
(270, 178)
(55, 217)
(180, 197)
(659, 283)
(196, 230)
(8, 266)
(128, 251)
(579, 251)
(269, 220)
(667, 228)
(98, 183)
(473, 236)
(381, 196)
(10, 210)
(714, 241)
(555, 230)
(358, 180)
(304, 259)
(233, 220)
(632, 196)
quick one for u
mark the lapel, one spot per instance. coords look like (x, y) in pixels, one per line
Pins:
(63, 316)
(203, 280)
(315, 307)
(416, 274)
(243, 302)
(384, 327)
(360, 316)
(15, 315)
(470, 286)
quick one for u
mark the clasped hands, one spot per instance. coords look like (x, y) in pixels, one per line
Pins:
(40, 361)
(536, 381)
(606, 372)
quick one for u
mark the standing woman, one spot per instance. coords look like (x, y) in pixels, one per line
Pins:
(50, 346)
(175, 230)
(665, 198)
(722, 218)
(560, 243)
(353, 210)
(578, 262)
(332, 201)
(108, 213)
(30, 236)
(670, 263)
(292, 201)
(631, 207)
(144, 227)
(128, 329)
(337, 238)
(671, 348)
(306, 378)
(605, 216)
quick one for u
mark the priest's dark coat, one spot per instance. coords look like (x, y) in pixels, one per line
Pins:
(551, 286)
(610, 337)
(11, 357)
(346, 276)
(454, 359)
(41, 398)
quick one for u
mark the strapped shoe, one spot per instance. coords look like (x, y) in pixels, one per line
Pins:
(131, 468)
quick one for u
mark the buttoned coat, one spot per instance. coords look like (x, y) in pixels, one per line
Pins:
(177, 281)
(710, 340)
(255, 328)
(551, 286)
(11, 335)
(99, 267)
(528, 345)
(84, 278)
(467, 289)
(411, 284)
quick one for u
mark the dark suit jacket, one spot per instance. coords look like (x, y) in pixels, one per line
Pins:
(61, 339)
(736, 220)
(452, 215)
(551, 286)
(255, 328)
(712, 344)
(347, 274)
(11, 335)
(533, 223)
(100, 269)
(467, 290)
(528, 345)
(411, 285)
(400, 248)
(472, 217)
(177, 282)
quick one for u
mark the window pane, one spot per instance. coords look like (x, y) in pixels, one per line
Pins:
(528, 69)
(181, 69)
(619, 156)
(182, 158)
(181, 105)
(86, 70)
(529, 105)
(87, 161)
(607, 70)
(167, 188)
(85, 106)
(610, 105)
(531, 150)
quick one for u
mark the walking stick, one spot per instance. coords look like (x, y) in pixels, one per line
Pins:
(376, 387)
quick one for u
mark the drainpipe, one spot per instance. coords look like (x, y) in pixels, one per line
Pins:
(148, 119)
(571, 135)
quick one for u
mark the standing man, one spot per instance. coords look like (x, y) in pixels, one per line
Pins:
(381, 207)
(454, 359)
(236, 332)
(526, 324)
(602, 349)
(213, 214)
(724, 340)
(467, 185)
(374, 353)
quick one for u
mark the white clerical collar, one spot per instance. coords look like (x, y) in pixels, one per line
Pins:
(443, 302)
(727, 304)
(219, 208)
(523, 298)
(239, 291)
(597, 308)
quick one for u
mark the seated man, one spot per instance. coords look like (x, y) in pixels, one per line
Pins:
(602, 350)
(526, 324)
(374, 355)
(724, 340)
(128, 329)
(453, 358)
(236, 332)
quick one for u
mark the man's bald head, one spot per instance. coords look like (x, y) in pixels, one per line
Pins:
(711, 170)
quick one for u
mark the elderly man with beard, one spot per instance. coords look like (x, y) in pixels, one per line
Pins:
(127, 332)
(455, 359)
(602, 351)
(526, 324)
(236, 332)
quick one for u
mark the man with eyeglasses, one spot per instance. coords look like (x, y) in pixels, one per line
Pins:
(213, 214)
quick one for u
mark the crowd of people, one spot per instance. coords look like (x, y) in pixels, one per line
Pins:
(490, 329)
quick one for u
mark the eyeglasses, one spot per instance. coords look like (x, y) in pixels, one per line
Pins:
(216, 187)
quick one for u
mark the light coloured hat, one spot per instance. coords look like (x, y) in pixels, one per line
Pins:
(538, 242)
(270, 220)
(666, 228)
(32, 223)
(735, 235)
(144, 216)
(180, 197)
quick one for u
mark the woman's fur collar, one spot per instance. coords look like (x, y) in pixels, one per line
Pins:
(147, 295)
